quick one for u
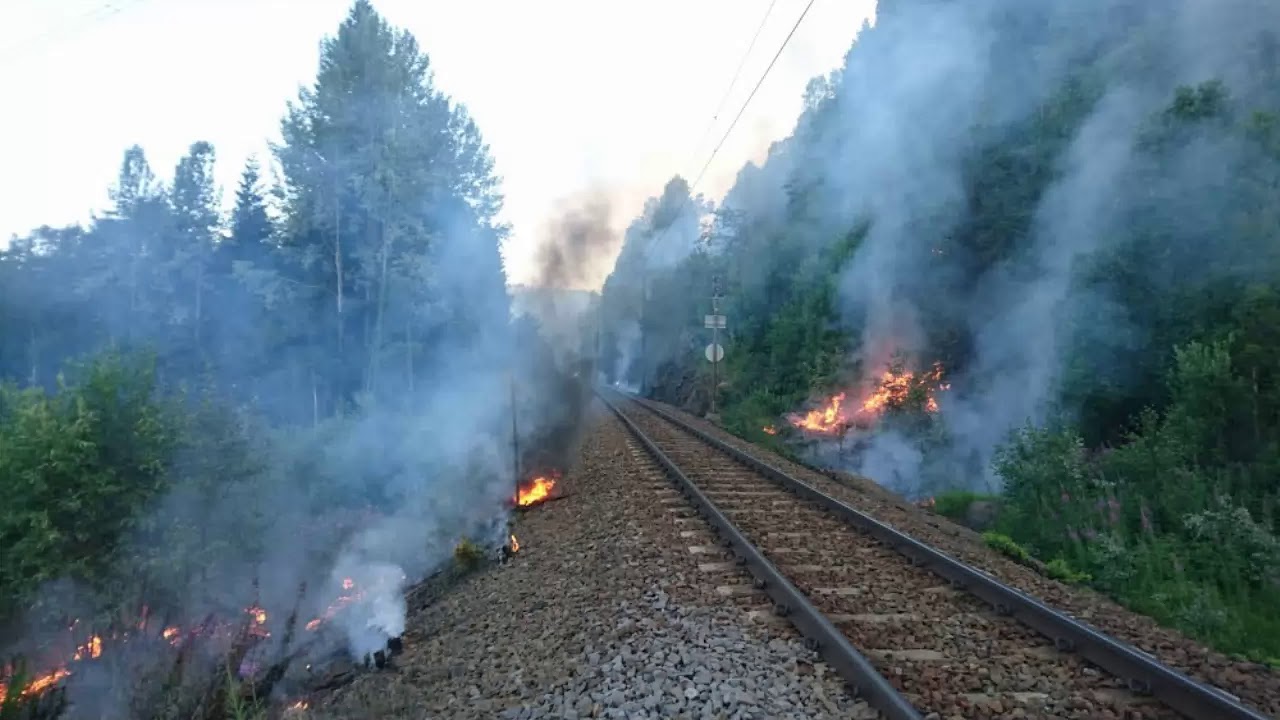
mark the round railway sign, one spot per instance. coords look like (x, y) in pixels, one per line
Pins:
(714, 352)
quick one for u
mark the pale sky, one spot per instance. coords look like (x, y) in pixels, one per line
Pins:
(571, 95)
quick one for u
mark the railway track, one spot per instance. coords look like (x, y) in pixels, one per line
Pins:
(915, 632)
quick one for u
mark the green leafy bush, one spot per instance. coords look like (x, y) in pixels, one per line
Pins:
(1006, 546)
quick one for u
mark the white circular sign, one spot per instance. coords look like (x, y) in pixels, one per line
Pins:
(714, 352)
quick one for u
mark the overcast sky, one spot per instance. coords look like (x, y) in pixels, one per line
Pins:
(572, 95)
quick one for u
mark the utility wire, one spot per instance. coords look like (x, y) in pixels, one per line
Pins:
(732, 125)
(734, 81)
(743, 109)
(100, 14)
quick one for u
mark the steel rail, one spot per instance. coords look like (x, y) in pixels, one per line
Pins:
(1143, 672)
(820, 634)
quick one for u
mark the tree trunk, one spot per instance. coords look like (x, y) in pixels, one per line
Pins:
(382, 304)
(408, 347)
(199, 299)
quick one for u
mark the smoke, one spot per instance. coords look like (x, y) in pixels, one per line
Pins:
(638, 295)
(578, 244)
(375, 487)
(894, 139)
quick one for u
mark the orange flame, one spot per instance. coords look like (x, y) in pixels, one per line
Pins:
(173, 634)
(770, 430)
(823, 420)
(515, 544)
(892, 390)
(91, 649)
(349, 596)
(39, 684)
(536, 491)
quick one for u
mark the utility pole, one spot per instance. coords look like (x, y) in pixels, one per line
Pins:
(597, 368)
(715, 322)
(515, 442)
(644, 313)
(715, 342)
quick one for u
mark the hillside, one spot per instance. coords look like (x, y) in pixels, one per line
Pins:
(1019, 253)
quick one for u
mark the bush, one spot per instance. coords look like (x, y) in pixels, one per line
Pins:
(1178, 523)
(1006, 546)
(954, 504)
(79, 465)
(467, 554)
(1058, 569)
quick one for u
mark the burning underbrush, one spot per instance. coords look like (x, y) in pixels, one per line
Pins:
(863, 407)
(190, 665)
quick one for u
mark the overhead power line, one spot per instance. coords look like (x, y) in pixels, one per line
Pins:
(743, 109)
(734, 81)
(82, 22)
(728, 131)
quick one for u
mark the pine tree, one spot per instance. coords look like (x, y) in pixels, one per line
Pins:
(385, 180)
(194, 202)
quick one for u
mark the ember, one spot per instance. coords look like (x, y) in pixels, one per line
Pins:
(515, 544)
(348, 596)
(770, 430)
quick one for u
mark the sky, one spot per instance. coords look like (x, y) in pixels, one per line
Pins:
(573, 96)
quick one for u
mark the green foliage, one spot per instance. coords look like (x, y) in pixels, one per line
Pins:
(954, 504)
(467, 554)
(79, 466)
(1006, 546)
(240, 707)
(1058, 569)
(1180, 521)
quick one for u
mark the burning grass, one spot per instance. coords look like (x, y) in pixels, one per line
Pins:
(183, 659)
(539, 489)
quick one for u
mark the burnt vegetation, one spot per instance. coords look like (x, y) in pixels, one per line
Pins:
(1071, 209)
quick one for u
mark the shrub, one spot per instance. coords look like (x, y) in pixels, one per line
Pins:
(467, 554)
(1006, 546)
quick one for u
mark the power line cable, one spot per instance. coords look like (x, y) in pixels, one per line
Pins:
(100, 14)
(688, 198)
(743, 109)
(734, 81)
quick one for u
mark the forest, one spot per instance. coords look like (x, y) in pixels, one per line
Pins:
(1017, 258)
(205, 415)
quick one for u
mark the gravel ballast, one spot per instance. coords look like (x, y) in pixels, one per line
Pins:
(1255, 684)
(605, 612)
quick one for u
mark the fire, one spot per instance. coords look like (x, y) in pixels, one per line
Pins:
(893, 389)
(770, 430)
(536, 491)
(515, 544)
(91, 649)
(299, 706)
(257, 621)
(38, 684)
(825, 419)
(349, 596)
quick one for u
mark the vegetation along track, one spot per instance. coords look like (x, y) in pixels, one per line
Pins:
(933, 635)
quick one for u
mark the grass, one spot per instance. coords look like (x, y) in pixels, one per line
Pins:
(1006, 546)
(954, 504)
